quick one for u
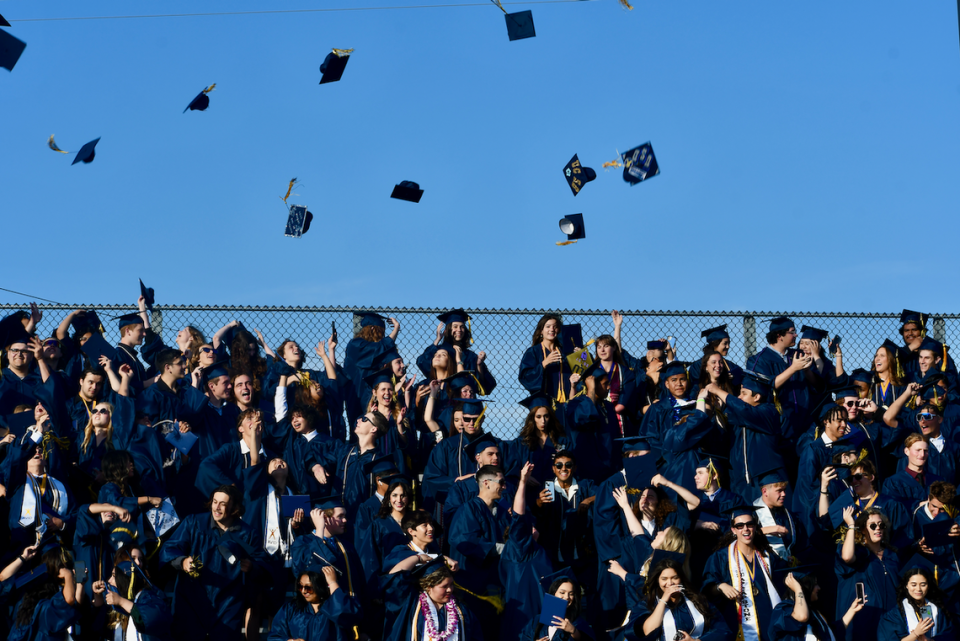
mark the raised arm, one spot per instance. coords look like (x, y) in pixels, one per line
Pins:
(617, 326)
(890, 416)
(218, 337)
(63, 329)
(328, 366)
(396, 328)
(520, 499)
(848, 551)
(431, 406)
(263, 342)
(688, 497)
(633, 523)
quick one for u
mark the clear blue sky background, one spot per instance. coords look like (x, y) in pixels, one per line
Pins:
(808, 155)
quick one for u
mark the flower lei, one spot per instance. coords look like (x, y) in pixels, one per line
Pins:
(453, 619)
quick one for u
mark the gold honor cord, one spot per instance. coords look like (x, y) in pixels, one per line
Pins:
(210, 88)
(289, 188)
(53, 145)
(342, 52)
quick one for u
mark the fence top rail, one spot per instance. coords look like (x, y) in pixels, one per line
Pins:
(440, 310)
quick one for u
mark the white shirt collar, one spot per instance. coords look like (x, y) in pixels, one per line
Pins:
(310, 435)
(567, 494)
(246, 450)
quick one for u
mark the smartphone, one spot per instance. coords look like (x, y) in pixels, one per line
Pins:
(333, 335)
(834, 344)
(861, 595)
(80, 571)
(550, 487)
(926, 612)
(673, 341)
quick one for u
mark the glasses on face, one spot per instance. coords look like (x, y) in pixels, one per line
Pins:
(51, 342)
(925, 416)
(561, 465)
(207, 350)
(877, 526)
(364, 419)
(746, 524)
(21, 352)
(306, 588)
(849, 404)
(856, 477)
(101, 410)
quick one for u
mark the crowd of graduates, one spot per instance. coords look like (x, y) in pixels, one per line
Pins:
(220, 489)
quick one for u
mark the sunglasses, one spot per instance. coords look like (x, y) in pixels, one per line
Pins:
(305, 588)
(925, 416)
(877, 526)
(207, 350)
(364, 419)
(856, 477)
(102, 410)
(746, 524)
(849, 403)
(51, 342)
(563, 466)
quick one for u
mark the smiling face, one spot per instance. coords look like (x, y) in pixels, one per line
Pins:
(929, 423)
(243, 389)
(911, 334)
(723, 346)
(422, 534)
(875, 528)
(384, 393)
(306, 589)
(551, 330)
(221, 508)
(669, 578)
(441, 593)
(677, 385)
(565, 592)
(862, 485)
(715, 365)
(207, 355)
(458, 331)
(563, 467)
(365, 425)
(745, 527)
(470, 423)
(926, 360)
(19, 356)
(835, 428)
(774, 494)
(220, 388)
(881, 361)
(850, 405)
(917, 587)
(399, 499)
(917, 453)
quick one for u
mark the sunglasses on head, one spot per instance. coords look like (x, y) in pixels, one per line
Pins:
(562, 465)
(745, 524)
(877, 526)
(101, 410)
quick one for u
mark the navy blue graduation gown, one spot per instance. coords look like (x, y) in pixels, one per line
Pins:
(152, 615)
(17, 391)
(225, 467)
(467, 489)
(50, 621)
(127, 355)
(334, 621)
(715, 628)
(161, 403)
(908, 490)
(313, 553)
(757, 435)
(404, 620)
(794, 395)
(566, 532)
(681, 443)
(893, 626)
(534, 630)
(474, 533)
(484, 376)
(301, 455)
(25, 535)
(554, 380)
(717, 571)
(91, 545)
(360, 360)
(522, 565)
(344, 465)
(880, 578)
(215, 602)
(593, 431)
(382, 537)
(942, 464)
(783, 627)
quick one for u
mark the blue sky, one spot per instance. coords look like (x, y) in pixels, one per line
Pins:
(807, 153)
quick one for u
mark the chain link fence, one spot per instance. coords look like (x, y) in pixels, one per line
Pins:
(505, 334)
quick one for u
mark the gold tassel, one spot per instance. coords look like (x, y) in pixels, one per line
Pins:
(210, 88)
(713, 471)
(342, 52)
(497, 2)
(943, 365)
(624, 3)
(53, 146)
(566, 242)
(470, 328)
(49, 437)
(612, 163)
(776, 402)
(289, 189)
(495, 601)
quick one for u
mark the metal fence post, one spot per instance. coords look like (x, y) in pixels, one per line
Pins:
(939, 328)
(156, 321)
(749, 337)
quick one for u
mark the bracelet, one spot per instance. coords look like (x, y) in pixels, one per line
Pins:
(22, 560)
(822, 492)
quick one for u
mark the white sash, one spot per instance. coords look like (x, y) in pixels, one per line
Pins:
(765, 514)
(913, 620)
(33, 496)
(273, 539)
(669, 626)
(810, 636)
(749, 621)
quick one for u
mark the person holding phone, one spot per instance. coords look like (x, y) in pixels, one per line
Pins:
(866, 557)
(320, 609)
(563, 509)
(798, 615)
(573, 625)
(921, 614)
(672, 611)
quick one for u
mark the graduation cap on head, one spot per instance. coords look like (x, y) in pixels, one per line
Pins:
(767, 476)
(672, 368)
(386, 359)
(634, 444)
(12, 330)
(396, 478)
(86, 153)
(10, 50)
(202, 101)
(380, 467)
(659, 556)
(122, 536)
(576, 175)
(428, 568)
(519, 25)
(711, 463)
(639, 164)
(910, 316)
(715, 334)
(147, 293)
(564, 574)
(640, 470)
(861, 375)
(330, 502)
(454, 316)
(89, 320)
(298, 221)
(466, 378)
(756, 382)
(537, 400)
(929, 344)
(371, 319)
(472, 406)
(479, 444)
(846, 392)
(382, 376)
(407, 190)
(220, 368)
(781, 324)
(812, 333)
(334, 64)
(572, 226)
(97, 346)
(826, 409)
(652, 345)
(919, 561)
(738, 508)
(129, 319)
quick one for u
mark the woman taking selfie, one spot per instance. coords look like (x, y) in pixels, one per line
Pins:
(921, 614)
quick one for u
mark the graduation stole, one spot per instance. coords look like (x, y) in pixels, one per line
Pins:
(669, 625)
(744, 577)
(33, 491)
(765, 514)
(911, 614)
(451, 631)
(811, 635)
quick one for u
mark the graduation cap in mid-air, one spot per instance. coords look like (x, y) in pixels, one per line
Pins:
(577, 175)
(572, 226)
(147, 293)
(334, 64)
(4, 22)
(202, 101)
(640, 471)
(10, 50)
(407, 190)
(298, 221)
(86, 153)
(520, 25)
(639, 164)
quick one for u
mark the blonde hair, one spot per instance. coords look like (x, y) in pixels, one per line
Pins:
(674, 540)
(88, 431)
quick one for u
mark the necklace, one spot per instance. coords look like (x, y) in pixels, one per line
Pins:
(430, 623)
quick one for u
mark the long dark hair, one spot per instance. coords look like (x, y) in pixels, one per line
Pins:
(664, 505)
(385, 508)
(651, 587)
(464, 343)
(530, 435)
(573, 610)
(115, 466)
(319, 585)
(934, 594)
(538, 332)
(607, 339)
(240, 360)
(54, 562)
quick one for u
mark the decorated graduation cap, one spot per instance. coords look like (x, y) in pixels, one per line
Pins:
(334, 64)
(910, 316)
(640, 471)
(673, 368)
(781, 324)
(812, 333)
(97, 346)
(639, 164)
(479, 444)
(407, 190)
(563, 575)
(86, 153)
(129, 319)
(122, 536)
(572, 226)
(715, 334)
(577, 175)
(147, 293)
(538, 399)
(651, 345)
(10, 50)
(202, 101)
(861, 375)
(298, 221)
(371, 319)
(383, 376)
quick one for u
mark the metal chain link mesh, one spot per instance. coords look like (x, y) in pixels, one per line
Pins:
(505, 334)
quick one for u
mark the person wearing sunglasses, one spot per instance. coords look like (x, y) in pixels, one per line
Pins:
(318, 610)
(565, 514)
(924, 611)
(928, 419)
(911, 485)
(866, 556)
(141, 610)
(741, 576)
(97, 439)
(859, 488)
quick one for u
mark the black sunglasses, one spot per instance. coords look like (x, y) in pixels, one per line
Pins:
(207, 350)
(877, 526)
(563, 466)
(306, 588)
(856, 477)
(749, 524)
(102, 410)
(364, 419)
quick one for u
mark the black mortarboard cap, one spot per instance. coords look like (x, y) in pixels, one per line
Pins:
(571, 337)
(937, 533)
(383, 376)
(38, 574)
(861, 375)
(380, 467)
(298, 221)
(19, 422)
(846, 392)
(200, 103)
(651, 345)
(454, 316)
(329, 502)
(640, 470)
(86, 153)
(918, 561)
(87, 320)
(932, 345)
(407, 190)
(664, 555)
(147, 293)
(577, 175)
(639, 164)
(10, 50)
(472, 406)
(536, 400)
(812, 333)
(428, 568)
(773, 474)
(97, 346)
(479, 444)
(12, 330)
(122, 536)
(220, 368)
(910, 316)
(672, 369)
(387, 358)
(738, 508)
(706, 459)
(893, 347)
(781, 324)
(715, 333)
(4, 22)
(129, 319)
(520, 25)
(333, 66)
(234, 550)
(565, 574)
(371, 319)
(572, 226)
